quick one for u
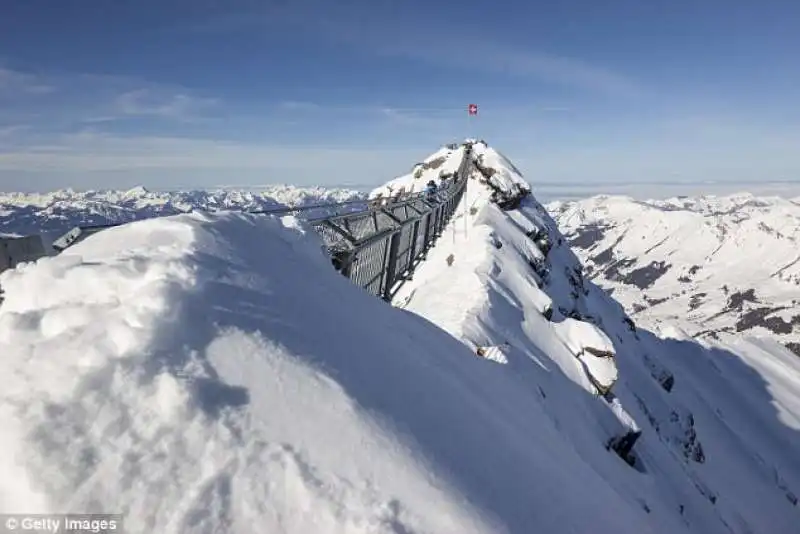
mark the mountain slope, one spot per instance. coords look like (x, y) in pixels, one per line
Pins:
(173, 371)
(483, 286)
(719, 266)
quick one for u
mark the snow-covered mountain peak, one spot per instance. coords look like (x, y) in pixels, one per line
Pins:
(211, 372)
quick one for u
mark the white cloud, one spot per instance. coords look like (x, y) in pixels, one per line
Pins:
(12, 81)
(161, 103)
(91, 152)
(490, 57)
(8, 131)
(298, 105)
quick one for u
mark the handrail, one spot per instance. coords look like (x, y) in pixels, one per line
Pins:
(377, 247)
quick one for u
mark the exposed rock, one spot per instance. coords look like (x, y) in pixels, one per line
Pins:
(540, 268)
(623, 445)
(645, 277)
(434, 163)
(696, 300)
(661, 374)
(736, 300)
(794, 347)
(593, 349)
(705, 491)
(631, 325)
(496, 242)
(758, 317)
(692, 448)
(655, 302)
(604, 257)
(586, 236)
(612, 271)
(676, 428)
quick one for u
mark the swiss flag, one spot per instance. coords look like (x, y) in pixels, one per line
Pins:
(473, 109)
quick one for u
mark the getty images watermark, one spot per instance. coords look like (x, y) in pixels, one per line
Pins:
(61, 523)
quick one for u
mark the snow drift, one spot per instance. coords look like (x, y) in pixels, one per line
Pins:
(171, 370)
(213, 373)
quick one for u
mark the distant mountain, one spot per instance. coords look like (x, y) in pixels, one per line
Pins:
(57, 212)
(711, 265)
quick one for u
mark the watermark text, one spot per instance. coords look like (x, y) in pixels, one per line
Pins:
(61, 523)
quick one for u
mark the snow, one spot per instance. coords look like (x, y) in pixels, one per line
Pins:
(707, 247)
(592, 347)
(443, 162)
(171, 370)
(57, 212)
(506, 174)
(488, 297)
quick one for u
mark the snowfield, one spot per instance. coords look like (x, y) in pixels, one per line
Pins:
(714, 266)
(210, 372)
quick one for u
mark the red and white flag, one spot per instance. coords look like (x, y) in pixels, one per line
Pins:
(473, 109)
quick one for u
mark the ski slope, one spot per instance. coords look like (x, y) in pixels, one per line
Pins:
(213, 373)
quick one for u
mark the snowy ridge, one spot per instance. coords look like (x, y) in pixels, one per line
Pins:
(489, 285)
(59, 211)
(716, 266)
(441, 164)
(172, 371)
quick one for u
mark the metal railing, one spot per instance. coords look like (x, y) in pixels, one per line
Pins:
(378, 249)
(378, 245)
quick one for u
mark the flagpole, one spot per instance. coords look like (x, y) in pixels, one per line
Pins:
(472, 111)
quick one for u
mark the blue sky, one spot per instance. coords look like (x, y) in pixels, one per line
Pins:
(180, 93)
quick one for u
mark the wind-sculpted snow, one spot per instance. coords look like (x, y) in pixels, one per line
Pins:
(57, 212)
(508, 286)
(210, 372)
(713, 265)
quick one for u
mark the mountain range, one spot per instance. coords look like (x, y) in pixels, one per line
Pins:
(544, 368)
(57, 212)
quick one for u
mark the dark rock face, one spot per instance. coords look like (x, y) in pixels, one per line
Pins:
(612, 271)
(759, 317)
(736, 300)
(623, 445)
(655, 302)
(692, 448)
(645, 277)
(661, 374)
(586, 236)
(696, 300)
(794, 347)
(677, 429)
(629, 322)
(607, 256)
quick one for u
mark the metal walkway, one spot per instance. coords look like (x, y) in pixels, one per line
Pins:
(375, 243)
